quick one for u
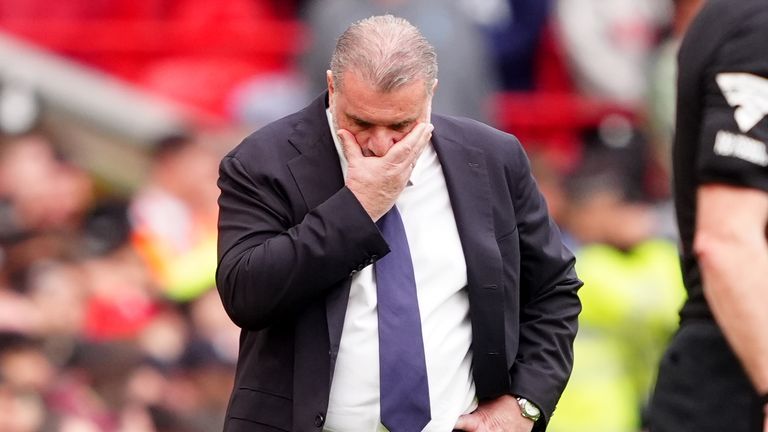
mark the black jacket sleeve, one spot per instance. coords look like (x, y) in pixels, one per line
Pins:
(549, 305)
(269, 267)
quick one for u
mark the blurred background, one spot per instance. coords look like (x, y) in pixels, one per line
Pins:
(115, 113)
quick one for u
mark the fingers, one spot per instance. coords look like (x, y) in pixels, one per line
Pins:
(424, 135)
(467, 423)
(425, 138)
(408, 149)
(349, 145)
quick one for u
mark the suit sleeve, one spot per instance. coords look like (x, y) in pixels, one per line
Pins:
(267, 267)
(549, 304)
(734, 136)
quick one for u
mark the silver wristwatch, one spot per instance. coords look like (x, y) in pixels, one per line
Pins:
(528, 409)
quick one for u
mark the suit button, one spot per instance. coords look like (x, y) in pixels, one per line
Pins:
(319, 420)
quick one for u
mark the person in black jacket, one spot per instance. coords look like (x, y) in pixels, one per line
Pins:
(714, 375)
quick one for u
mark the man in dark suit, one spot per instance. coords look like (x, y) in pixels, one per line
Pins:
(322, 210)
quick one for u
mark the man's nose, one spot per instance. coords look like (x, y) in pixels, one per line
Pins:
(380, 141)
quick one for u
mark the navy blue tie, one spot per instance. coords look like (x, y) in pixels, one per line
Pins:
(403, 373)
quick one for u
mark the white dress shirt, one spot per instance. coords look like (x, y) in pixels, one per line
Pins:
(441, 277)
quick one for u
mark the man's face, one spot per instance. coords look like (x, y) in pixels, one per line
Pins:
(378, 119)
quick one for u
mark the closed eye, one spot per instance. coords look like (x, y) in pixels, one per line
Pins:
(362, 123)
(401, 126)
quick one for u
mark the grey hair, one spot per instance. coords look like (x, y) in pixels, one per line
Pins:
(386, 51)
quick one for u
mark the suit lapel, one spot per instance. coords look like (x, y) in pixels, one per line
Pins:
(466, 177)
(469, 188)
(318, 175)
(316, 170)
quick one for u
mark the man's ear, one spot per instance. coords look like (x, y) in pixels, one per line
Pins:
(329, 79)
(429, 102)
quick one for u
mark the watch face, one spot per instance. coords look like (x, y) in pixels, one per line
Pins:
(531, 409)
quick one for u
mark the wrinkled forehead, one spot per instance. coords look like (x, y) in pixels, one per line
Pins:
(363, 102)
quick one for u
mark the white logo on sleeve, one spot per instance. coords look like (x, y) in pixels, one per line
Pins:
(742, 147)
(748, 94)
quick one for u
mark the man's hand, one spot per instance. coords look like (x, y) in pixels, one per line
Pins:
(377, 181)
(498, 415)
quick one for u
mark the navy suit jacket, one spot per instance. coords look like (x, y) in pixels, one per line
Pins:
(291, 236)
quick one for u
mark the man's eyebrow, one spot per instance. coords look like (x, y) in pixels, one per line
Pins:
(402, 123)
(357, 119)
(360, 121)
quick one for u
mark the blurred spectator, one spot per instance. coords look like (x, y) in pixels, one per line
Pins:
(42, 200)
(466, 78)
(199, 390)
(165, 338)
(23, 365)
(267, 97)
(514, 29)
(40, 191)
(173, 218)
(608, 45)
(20, 411)
(211, 323)
(25, 375)
(120, 303)
(58, 294)
(90, 390)
(632, 291)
